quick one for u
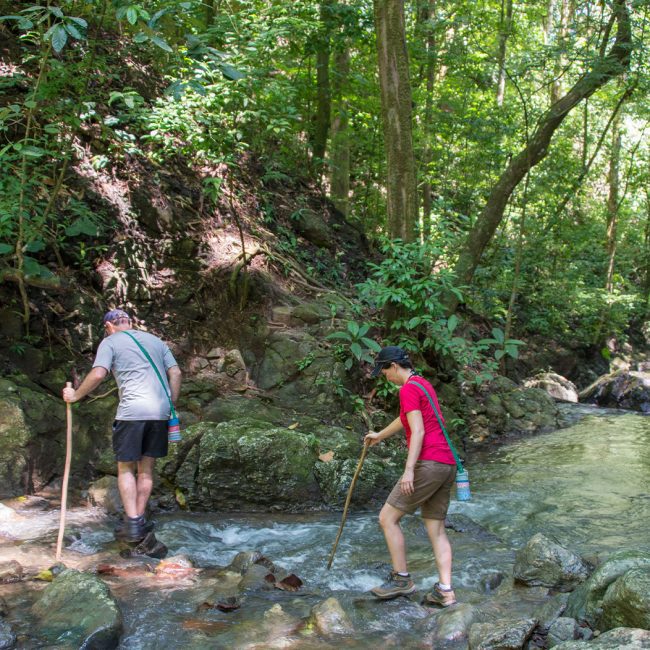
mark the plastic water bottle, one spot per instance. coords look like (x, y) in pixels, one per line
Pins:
(462, 485)
(174, 430)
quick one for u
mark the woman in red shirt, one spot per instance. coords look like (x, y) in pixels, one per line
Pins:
(426, 483)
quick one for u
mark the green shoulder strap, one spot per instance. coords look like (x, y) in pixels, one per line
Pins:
(153, 365)
(459, 464)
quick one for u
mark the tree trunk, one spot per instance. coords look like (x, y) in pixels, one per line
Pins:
(603, 70)
(401, 192)
(323, 96)
(556, 86)
(505, 28)
(612, 201)
(428, 12)
(646, 254)
(340, 140)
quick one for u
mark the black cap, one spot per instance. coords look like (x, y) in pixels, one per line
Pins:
(388, 355)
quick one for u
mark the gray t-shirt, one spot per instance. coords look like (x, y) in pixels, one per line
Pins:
(141, 394)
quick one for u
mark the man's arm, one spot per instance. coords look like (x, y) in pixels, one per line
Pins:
(95, 377)
(174, 378)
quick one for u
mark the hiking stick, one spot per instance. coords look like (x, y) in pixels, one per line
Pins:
(66, 474)
(347, 501)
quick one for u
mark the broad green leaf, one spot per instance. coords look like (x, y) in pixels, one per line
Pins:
(363, 330)
(51, 128)
(82, 226)
(353, 328)
(35, 246)
(73, 31)
(512, 350)
(59, 38)
(5, 249)
(414, 322)
(161, 43)
(373, 345)
(132, 15)
(338, 335)
(498, 334)
(32, 152)
(356, 350)
(231, 73)
(452, 322)
(56, 11)
(32, 267)
(498, 354)
(80, 21)
(140, 37)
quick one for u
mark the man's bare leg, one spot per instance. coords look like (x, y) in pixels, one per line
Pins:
(127, 485)
(144, 482)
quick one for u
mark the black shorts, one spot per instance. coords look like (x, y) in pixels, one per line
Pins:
(133, 439)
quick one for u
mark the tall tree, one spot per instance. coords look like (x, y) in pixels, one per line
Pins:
(323, 91)
(339, 162)
(613, 200)
(396, 105)
(605, 67)
(505, 27)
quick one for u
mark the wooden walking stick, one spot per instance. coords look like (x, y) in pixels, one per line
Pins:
(66, 474)
(347, 501)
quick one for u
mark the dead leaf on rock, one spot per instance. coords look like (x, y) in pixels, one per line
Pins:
(293, 426)
(327, 456)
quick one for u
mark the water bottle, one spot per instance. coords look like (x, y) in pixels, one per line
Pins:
(174, 430)
(462, 485)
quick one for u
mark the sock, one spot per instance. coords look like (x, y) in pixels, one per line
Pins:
(404, 575)
(444, 587)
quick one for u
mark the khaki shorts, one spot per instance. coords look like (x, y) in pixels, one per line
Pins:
(432, 482)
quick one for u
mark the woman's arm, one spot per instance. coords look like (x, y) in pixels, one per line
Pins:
(415, 447)
(372, 438)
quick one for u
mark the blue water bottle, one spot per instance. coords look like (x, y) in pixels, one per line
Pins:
(462, 485)
(174, 429)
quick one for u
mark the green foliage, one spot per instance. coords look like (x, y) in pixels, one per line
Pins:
(504, 347)
(355, 344)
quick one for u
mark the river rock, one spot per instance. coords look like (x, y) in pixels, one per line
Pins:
(627, 601)
(501, 635)
(626, 389)
(562, 629)
(620, 638)
(550, 611)
(330, 619)
(105, 494)
(77, 610)
(586, 601)
(11, 571)
(555, 385)
(544, 562)
(248, 464)
(7, 636)
(453, 623)
(15, 435)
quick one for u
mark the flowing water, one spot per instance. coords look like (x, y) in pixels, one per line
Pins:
(587, 485)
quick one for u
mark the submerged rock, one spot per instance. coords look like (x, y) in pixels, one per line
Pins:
(7, 636)
(501, 635)
(77, 610)
(620, 638)
(544, 562)
(330, 619)
(627, 601)
(586, 601)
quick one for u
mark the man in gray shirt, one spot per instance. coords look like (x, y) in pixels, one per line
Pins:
(140, 427)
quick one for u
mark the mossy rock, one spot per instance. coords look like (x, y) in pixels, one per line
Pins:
(77, 610)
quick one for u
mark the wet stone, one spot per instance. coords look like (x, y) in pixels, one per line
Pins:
(77, 610)
(544, 562)
(11, 571)
(620, 638)
(563, 629)
(501, 635)
(330, 619)
(7, 636)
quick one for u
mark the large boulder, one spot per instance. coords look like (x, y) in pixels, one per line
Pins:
(543, 562)
(585, 603)
(248, 464)
(78, 611)
(620, 638)
(625, 389)
(330, 619)
(627, 601)
(15, 435)
(558, 387)
(312, 227)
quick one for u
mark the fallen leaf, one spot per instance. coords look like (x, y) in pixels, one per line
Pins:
(293, 426)
(290, 583)
(327, 456)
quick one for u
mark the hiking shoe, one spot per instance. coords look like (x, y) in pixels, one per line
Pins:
(148, 524)
(395, 585)
(131, 530)
(441, 597)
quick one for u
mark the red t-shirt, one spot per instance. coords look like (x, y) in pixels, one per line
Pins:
(434, 443)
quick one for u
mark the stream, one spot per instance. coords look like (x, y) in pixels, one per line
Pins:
(587, 485)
